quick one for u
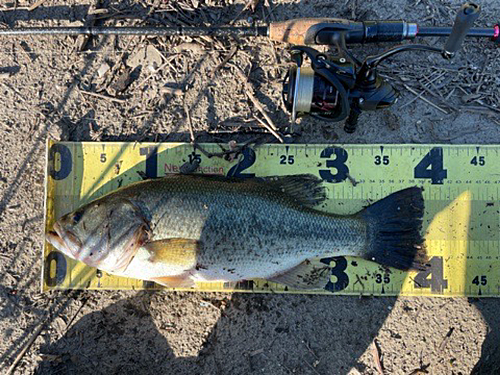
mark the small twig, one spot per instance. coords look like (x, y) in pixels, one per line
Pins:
(250, 3)
(481, 80)
(476, 109)
(309, 349)
(352, 180)
(162, 66)
(28, 344)
(231, 53)
(376, 358)
(269, 6)
(68, 326)
(14, 8)
(406, 104)
(446, 339)
(430, 81)
(358, 280)
(187, 80)
(188, 117)
(424, 99)
(421, 370)
(255, 352)
(82, 40)
(269, 128)
(311, 367)
(249, 91)
(35, 5)
(458, 135)
(495, 109)
(225, 153)
(14, 90)
(440, 97)
(251, 96)
(447, 97)
(121, 101)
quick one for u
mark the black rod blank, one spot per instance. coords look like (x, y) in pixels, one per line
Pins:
(155, 31)
(204, 31)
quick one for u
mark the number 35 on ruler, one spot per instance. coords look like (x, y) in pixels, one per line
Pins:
(431, 166)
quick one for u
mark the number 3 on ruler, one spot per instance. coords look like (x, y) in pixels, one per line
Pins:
(338, 164)
(338, 270)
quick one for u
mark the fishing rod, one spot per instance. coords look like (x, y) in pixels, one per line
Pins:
(302, 31)
(333, 87)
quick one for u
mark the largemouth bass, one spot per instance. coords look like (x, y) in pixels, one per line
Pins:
(181, 229)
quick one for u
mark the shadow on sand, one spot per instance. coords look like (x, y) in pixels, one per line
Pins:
(271, 334)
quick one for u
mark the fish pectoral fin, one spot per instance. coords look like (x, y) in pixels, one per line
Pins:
(178, 281)
(306, 275)
(174, 251)
(178, 252)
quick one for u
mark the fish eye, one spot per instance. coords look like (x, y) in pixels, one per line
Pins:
(77, 217)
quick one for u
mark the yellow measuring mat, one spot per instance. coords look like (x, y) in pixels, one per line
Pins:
(461, 191)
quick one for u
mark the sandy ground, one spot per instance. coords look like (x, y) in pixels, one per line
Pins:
(43, 95)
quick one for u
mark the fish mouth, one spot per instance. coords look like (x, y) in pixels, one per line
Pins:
(64, 240)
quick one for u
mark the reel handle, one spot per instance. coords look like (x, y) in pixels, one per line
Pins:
(466, 16)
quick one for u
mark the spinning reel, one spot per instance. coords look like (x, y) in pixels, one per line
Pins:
(340, 87)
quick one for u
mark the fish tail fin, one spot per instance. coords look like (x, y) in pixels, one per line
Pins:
(394, 230)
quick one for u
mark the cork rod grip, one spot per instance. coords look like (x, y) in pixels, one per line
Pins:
(296, 31)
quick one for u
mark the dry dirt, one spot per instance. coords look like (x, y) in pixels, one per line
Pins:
(42, 88)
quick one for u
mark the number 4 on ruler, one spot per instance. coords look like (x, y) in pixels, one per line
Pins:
(431, 166)
(436, 281)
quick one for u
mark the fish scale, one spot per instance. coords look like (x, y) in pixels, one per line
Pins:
(231, 239)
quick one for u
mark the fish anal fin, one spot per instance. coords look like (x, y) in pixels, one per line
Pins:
(177, 281)
(180, 252)
(310, 274)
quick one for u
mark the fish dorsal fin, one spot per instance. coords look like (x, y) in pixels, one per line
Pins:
(180, 252)
(177, 281)
(306, 275)
(306, 189)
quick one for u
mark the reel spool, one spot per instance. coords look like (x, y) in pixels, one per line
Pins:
(306, 93)
(318, 90)
(333, 88)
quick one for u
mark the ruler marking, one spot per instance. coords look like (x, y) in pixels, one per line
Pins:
(360, 161)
